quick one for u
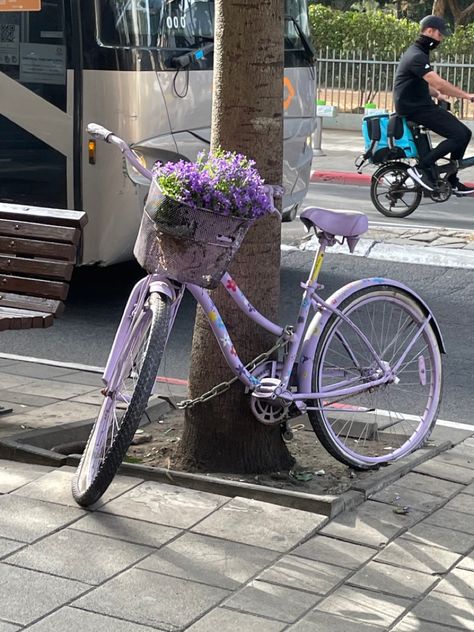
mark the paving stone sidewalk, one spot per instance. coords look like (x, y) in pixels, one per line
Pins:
(156, 557)
(151, 556)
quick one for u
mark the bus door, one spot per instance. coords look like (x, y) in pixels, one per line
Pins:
(36, 104)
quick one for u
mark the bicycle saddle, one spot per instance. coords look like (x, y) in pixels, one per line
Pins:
(343, 223)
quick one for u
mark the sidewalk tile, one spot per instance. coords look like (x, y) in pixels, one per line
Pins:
(14, 474)
(451, 519)
(333, 551)
(53, 389)
(433, 535)
(316, 621)
(27, 595)
(165, 504)
(33, 369)
(467, 562)
(225, 620)
(59, 413)
(410, 623)
(55, 487)
(404, 582)
(398, 496)
(447, 610)
(152, 599)
(75, 620)
(82, 377)
(127, 529)
(447, 471)
(364, 606)
(459, 582)
(81, 556)
(208, 560)
(429, 485)
(7, 627)
(26, 520)
(270, 600)
(9, 546)
(460, 455)
(418, 556)
(14, 397)
(463, 503)
(302, 574)
(371, 524)
(10, 382)
(469, 489)
(260, 524)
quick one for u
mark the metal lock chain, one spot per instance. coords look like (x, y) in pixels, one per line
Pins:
(224, 386)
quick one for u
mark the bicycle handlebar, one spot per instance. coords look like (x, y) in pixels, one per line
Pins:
(102, 133)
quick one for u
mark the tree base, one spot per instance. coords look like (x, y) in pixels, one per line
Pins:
(252, 449)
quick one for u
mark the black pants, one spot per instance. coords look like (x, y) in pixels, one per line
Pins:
(441, 122)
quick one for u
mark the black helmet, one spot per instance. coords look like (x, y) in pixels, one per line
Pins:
(434, 22)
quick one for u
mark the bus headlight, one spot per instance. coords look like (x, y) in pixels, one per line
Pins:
(134, 175)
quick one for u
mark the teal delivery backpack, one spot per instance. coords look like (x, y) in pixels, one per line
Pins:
(387, 137)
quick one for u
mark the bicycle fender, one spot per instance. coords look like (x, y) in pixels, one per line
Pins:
(311, 339)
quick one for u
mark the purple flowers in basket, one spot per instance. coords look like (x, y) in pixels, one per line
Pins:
(223, 182)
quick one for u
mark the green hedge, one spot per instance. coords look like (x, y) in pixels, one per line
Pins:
(377, 33)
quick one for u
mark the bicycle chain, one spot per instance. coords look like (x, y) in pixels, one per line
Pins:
(224, 386)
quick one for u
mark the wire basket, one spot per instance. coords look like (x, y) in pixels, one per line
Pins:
(185, 244)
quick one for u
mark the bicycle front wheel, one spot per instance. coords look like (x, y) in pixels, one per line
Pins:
(393, 192)
(386, 422)
(125, 401)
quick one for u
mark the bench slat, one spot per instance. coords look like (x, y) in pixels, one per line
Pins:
(34, 287)
(13, 228)
(40, 267)
(51, 250)
(34, 303)
(24, 319)
(43, 215)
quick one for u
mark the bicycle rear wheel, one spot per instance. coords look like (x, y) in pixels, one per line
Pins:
(386, 422)
(125, 401)
(393, 192)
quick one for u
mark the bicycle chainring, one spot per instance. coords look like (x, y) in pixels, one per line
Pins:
(266, 412)
(443, 191)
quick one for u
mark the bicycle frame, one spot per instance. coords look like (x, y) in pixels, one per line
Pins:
(298, 348)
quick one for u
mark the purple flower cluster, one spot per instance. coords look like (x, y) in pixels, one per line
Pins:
(223, 182)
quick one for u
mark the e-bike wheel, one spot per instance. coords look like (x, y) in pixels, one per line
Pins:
(393, 192)
(385, 422)
(125, 403)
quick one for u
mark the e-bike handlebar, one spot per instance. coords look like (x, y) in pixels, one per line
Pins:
(101, 133)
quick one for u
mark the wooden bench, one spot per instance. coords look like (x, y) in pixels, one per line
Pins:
(38, 251)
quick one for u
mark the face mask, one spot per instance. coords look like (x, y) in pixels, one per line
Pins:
(428, 42)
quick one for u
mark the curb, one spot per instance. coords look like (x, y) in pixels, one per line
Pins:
(341, 177)
(35, 446)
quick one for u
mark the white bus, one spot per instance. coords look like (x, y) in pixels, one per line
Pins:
(142, 68)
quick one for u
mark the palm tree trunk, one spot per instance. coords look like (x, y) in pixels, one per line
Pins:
(247, 116)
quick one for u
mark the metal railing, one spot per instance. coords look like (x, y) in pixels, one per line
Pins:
(349, 80)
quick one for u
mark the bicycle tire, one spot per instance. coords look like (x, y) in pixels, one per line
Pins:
(393, 177)
(110, 436)
(384, 431)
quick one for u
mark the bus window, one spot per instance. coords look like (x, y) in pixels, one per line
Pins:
(171, 24)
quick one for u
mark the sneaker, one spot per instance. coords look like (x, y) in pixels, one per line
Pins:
(420, 176)
(461, 189)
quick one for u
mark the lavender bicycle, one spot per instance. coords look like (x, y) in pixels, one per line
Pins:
(367, 370)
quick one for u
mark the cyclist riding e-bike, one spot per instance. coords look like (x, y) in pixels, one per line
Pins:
(415, 84)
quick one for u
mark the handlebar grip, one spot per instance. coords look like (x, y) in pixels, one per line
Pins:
(99, 132)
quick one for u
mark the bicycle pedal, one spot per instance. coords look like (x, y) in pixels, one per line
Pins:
(269, 388)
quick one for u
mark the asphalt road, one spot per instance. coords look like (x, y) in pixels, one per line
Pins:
(455, 213)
